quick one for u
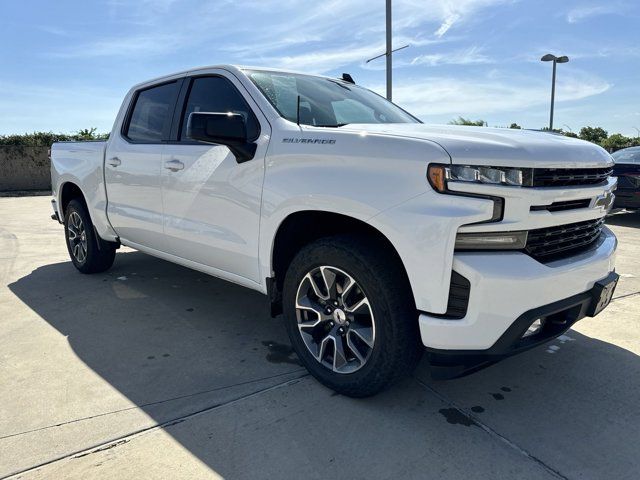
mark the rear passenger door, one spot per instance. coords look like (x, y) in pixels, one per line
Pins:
(133, 166)
(212, 202)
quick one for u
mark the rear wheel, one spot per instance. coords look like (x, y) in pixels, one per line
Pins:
(89, 253)
(350, 315)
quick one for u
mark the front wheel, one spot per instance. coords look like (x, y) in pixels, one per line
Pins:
(89, 253)
(350, 314)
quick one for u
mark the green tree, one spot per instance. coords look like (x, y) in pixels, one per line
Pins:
(87, 134)
(571, 134)
(516, 126)
(616, 142)
(468, 122)
(593, 134)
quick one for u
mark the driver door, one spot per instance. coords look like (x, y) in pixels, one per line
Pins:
(212, 202)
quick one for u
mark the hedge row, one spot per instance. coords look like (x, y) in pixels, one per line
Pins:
(45, 139)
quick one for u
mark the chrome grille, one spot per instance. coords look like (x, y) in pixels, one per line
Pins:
(553, 243)
(564, 177)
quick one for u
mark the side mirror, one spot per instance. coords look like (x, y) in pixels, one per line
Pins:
(227, 129)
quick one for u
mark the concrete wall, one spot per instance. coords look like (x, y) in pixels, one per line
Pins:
(24, 168)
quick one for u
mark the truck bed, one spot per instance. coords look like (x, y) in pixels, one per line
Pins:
(82, 164)
(76, 157)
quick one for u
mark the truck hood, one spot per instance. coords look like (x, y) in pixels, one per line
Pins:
(498, 146)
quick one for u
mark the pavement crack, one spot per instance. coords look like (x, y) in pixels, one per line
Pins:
(150, 404)
(625, 296)
(102, 449)
(475, 420)
(115, 442)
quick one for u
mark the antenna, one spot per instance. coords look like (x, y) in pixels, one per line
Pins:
(298, 112)
(347, 78)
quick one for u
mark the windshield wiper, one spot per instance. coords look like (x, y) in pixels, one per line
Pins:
(335, 125)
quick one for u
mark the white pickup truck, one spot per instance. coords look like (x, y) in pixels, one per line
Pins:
(377, 236)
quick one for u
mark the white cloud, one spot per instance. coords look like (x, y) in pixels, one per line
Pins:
(294, 38)
(135, 6)
(327, 59)
(321, 25)
(581, 13)
(447, 24)
(169, 25)
(443, 13)
(144, 44)
(620, 51)
(484, 96)
(322, 61)
(52, 30)
(469, 56)
(455, 12)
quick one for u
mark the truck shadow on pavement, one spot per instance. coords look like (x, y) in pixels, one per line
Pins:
(175, 341)
(625, 219)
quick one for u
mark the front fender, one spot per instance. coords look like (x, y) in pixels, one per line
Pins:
(423, 231)
(353, 174)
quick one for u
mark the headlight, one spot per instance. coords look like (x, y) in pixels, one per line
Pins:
(439, 175)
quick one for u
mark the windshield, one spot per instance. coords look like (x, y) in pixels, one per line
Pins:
(628, 155)
(325, 102)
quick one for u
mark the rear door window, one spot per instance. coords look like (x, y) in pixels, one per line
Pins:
(150, 119)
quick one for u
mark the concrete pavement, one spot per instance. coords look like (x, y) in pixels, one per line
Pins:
(155, 371)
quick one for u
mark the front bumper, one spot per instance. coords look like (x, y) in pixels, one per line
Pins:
(558, 318)
(505, 286)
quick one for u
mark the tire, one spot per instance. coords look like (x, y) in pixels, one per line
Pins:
(89, 253)
(377, 314)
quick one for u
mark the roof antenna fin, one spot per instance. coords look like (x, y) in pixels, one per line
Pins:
(348, 78)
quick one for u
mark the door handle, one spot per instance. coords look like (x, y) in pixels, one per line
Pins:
(114, 162)
(174, 165)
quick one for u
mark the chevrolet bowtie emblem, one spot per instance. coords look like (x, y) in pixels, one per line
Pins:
(604, 201)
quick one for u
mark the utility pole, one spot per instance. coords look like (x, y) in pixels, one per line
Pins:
(389, 51)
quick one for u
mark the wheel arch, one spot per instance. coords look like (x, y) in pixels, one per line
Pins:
(303, 227)
(68, 191)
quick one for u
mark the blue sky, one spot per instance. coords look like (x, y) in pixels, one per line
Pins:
(67, 64)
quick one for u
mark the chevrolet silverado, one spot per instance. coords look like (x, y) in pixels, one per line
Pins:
(376, 236)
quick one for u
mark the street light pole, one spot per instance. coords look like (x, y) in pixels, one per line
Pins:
(552, 58)
(389, 51)
(553, 94)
